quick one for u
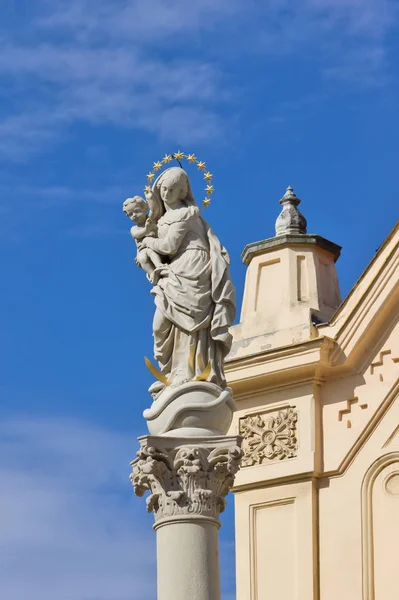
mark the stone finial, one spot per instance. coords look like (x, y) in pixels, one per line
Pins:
(290, 220)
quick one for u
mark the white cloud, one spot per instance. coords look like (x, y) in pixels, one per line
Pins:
(358, 17)
(148, 22)
(153, 23)
(95, 230)
(100, 86)
(71, 527)
(147, 65)
(42, 201)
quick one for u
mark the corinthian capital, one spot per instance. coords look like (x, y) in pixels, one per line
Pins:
(186, 477)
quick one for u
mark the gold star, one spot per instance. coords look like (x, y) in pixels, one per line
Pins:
(201, 165)
(206, 202)
(147, 189)
(208, 176)
(209, 189)
(179, 155)
(157, 166)
(150, 176)
(167, 158)
(191, 158)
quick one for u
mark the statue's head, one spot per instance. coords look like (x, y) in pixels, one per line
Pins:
(171, 189)
(173, 186)
(136, 209)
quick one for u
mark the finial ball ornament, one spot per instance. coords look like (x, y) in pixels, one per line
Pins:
(290, 220)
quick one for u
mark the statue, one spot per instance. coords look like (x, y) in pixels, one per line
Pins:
(136, 209)
(192, 288)
(188, 461)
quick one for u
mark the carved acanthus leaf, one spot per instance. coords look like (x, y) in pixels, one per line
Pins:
(190, 479)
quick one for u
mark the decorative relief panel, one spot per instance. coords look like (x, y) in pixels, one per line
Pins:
(269, 436)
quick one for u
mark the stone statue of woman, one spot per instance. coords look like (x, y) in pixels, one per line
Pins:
(194, 294)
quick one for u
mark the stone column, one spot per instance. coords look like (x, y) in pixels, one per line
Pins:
(188, 479)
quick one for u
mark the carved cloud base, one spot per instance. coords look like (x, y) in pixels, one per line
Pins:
(195, 408)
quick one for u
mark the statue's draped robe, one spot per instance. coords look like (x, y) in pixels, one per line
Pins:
(195, 301)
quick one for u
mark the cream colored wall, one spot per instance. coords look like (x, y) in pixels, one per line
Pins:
(268, 405)
(287, 509)
(317, 497)
(276, 542)
(349, 403)
(275, 513)
(359, 520)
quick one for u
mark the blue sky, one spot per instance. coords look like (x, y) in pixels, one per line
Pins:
(268, 93)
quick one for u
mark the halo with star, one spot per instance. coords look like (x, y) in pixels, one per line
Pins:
(191, 158)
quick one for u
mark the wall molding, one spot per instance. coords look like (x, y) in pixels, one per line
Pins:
(367, 522)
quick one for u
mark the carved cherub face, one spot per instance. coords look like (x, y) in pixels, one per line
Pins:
(136, 209)
(173, 188)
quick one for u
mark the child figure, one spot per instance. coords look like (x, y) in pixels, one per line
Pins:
(136, 209)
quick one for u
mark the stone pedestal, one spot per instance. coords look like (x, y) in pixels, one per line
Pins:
(196, 408)
(188, 479)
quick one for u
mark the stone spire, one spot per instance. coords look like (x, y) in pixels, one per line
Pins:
(290, 220)
(291, 284)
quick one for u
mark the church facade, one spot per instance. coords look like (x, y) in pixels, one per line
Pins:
(316, 384)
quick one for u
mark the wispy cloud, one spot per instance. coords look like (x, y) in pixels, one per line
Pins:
(152, 22)
(175, 70)
(156, 65)
(357, 17)
(70, 526)
(95, 230)
(41, 201)
(97, 86)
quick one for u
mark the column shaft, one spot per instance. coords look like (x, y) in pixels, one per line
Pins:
(188, 560)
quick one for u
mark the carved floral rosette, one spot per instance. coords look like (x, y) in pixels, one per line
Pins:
(269, 437)
(186, 480)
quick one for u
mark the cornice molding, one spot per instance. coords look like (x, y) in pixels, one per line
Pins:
(296, 362)
(345, 344)
(377, 288)
(381, 293)
(289, 239)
